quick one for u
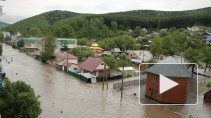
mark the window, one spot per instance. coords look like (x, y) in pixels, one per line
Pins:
(101, 63)
(154, 78)
(75, 68)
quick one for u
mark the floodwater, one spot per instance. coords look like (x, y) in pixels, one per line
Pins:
(63, 96)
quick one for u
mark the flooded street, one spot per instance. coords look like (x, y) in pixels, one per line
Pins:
(63, 96)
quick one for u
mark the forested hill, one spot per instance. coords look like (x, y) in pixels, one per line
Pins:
(159, 19)
(2, 24)
(149, 19)
(43, 21)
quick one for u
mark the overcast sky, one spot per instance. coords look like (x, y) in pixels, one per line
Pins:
(16, 10)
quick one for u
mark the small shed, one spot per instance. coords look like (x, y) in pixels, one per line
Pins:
(207, 96)
(90, 77)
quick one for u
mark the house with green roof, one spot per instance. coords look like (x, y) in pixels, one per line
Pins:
(70, 42)
(29, 44)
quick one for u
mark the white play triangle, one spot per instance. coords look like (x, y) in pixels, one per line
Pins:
(166, 84)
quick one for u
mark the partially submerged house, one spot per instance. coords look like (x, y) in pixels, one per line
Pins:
(94, 66)
(207, 96)
(176, 72)
(39, 46)
(69, 42)
(29, 44)
(61, 57)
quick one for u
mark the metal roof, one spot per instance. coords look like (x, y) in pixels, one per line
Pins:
(90, 64)
(127, 69)
(208, 38)
(67, 40)
(170, 67)
(29, 40)
(136, 60)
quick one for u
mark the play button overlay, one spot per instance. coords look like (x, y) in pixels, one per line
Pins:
(166, 84)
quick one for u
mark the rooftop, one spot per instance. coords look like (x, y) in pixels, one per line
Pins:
(170, 67)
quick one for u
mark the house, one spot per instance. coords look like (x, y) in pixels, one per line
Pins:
(93, 40)
(5, 34)
(69, 42)
(29, 44)
(195, 28)
(164, 30)
(139, 37)
(208, 40)
(144, 30)
(204, 34)
(39, 46)
(94, 66)
(154, 34)
(130, 70)
(61, 57)
(142, 65)
(175, 72)
(95, 48)
(64, 56)
(71, 67)
(117, 51)
(207, 96)
(106, 53)
(131, 54)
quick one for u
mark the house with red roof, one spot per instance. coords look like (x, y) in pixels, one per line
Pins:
(61, 57)
(207, 96)
(94, 66)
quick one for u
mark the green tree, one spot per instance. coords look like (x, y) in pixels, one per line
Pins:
(57, 32)
(111, 61)
(34, 31)
(83, 41)
(67, 32)
(137, 31)
(7, 38)
(124, 42)
(18, 100)
(169, 46)
(114, 25)
(206, 51)
(81, 54)
(119, 42)
(1, 49)
(49, 48)
(193, 56)
(20, 43)
(1, 36)
(156, 47)
(130, 42)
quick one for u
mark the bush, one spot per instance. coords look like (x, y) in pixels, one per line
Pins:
(209, 84)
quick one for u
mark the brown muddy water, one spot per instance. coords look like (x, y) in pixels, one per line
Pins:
(63, 96)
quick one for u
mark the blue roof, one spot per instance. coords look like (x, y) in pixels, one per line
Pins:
(208, 38)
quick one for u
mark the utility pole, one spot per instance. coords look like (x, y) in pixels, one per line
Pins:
(106, 76)
(122, 80)
(103, 75)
